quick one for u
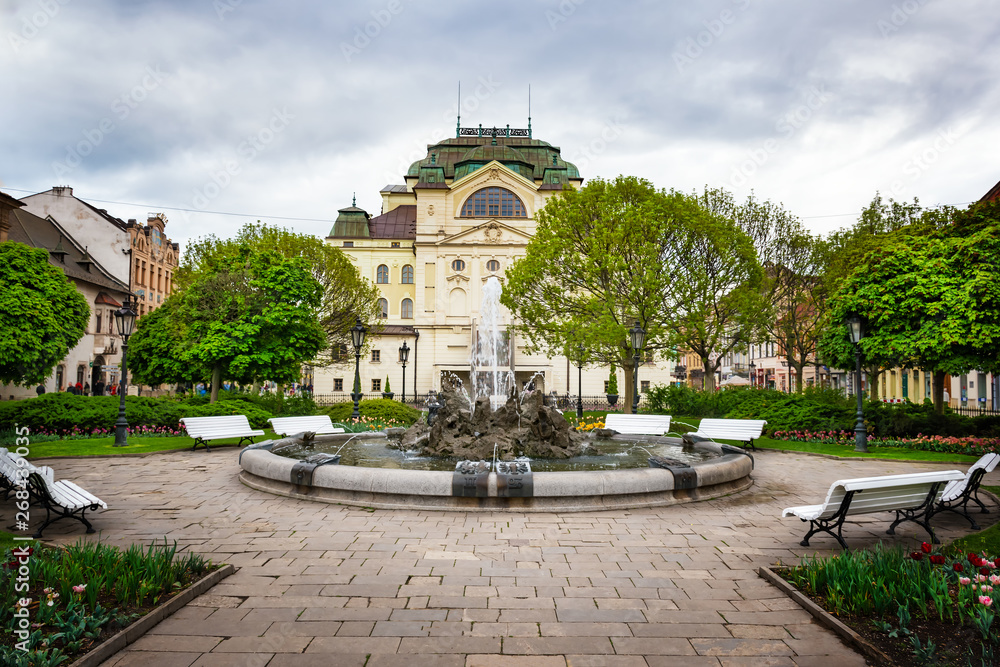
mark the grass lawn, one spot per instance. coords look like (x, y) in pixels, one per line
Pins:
(7, 542)
(136, 445)
(985, 541)
(875, 453)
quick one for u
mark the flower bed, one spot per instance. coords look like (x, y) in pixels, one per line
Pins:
(60, 603)
(932, 443)
(923, 607)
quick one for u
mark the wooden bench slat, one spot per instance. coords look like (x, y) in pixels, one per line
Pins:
(316, 424)
(638, 424)
(203, 429)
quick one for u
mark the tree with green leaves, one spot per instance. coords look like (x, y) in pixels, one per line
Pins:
(714, 302)
(156, 351)
(601, 259)
(241, 315)
(346, 295)
(42, 315)
(928, 300)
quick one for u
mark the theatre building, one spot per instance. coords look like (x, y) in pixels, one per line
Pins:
(463, 214)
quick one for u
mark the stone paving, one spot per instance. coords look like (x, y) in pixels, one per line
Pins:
(327, 585)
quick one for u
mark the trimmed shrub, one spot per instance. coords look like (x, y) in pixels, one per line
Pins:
(380, 409)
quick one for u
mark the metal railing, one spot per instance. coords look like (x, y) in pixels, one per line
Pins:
(976, 411)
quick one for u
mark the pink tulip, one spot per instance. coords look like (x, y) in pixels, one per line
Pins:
(965, 581)
(79, 589)
(985, 600)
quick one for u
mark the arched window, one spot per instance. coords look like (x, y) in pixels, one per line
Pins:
(493, 265)
(458, 265)
(406, 309)
(494, 203)
(382, 274)
(407, 275)
(383, 308)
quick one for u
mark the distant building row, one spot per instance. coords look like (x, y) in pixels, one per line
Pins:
(107, 259)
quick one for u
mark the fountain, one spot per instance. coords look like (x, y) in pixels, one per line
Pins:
(492, 436)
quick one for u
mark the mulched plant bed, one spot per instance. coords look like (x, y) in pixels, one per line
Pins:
(60, 603)
(918, 608)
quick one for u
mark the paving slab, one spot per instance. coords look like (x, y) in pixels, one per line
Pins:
(322, 584)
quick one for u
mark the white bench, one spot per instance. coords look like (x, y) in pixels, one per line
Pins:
(14, 471)
(912, 497)
(203, 429)
(638, 424)
(744, 430)
(64, 499)
(957, 494)
(291, 425)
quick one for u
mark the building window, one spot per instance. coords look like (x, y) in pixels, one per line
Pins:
(348, 244)
(644, 386)
(338, 384)
(60, 376)
(377, 384)
(458, 265)
(607, 386)
(376, 356)
(407, 275)
(382, 274)
(80, 372)
(494, 203)
(97, 329)
(493, 265)
(394, 244)
(406, 309)
(383, 308)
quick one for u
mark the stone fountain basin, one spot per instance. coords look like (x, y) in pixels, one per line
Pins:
(569, 491)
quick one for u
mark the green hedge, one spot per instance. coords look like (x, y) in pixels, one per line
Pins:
(62, 412)
(818, 410)
(380, 409)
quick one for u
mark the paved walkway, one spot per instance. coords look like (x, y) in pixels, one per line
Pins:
(332, 585)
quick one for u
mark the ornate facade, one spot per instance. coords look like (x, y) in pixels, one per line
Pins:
(154, 260)
(465, 213)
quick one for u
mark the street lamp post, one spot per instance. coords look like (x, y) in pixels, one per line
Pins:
(125, 319)
(404, 354)
(579, 384)
(638, 336)
(358, 332)
(857, 333)
(752, 377)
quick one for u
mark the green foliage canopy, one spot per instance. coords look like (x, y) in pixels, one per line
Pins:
(42, 315)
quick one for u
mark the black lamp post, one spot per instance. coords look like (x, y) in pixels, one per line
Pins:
(358, 332)
(752, 378)
(125, 320)
(857, 333)
(404, 354)
(579, 384)
(638, 336)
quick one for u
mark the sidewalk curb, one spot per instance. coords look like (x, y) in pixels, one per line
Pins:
(133, 632)
(850, 637)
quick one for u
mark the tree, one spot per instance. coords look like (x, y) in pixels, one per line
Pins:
(42, 315)
(882, 223)
(156, 351)
(601, 259)
(346, 295)
(241, 315)
(930, 301)
(714, 302)
(792, 299)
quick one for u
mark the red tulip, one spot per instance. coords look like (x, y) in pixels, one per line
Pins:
(937, 559)
(958, 567)
(917, 555)
(926, 547)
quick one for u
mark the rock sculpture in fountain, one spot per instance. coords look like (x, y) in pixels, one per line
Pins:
(523, 426)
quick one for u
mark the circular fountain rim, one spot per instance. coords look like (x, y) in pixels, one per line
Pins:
(566, 491)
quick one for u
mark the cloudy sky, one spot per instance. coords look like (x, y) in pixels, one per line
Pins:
(204, 109)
